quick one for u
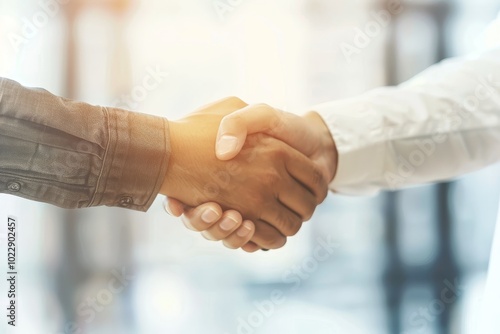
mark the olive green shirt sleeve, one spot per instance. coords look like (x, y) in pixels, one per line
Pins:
(76, 155)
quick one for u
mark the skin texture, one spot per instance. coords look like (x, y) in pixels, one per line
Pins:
(268, 182)
(309, 134)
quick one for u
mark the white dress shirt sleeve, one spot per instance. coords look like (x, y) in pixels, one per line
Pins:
(443, 123)
(438, 125)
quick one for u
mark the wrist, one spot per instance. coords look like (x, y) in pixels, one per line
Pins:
(169, 186)
(328, 150)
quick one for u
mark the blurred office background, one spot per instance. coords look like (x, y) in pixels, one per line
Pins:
(412, 261)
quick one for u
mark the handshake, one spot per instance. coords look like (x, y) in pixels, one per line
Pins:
(248, 175)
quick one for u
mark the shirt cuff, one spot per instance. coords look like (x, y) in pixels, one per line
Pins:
(135, 162)
(358, 136)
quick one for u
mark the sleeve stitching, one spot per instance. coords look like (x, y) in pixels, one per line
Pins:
(107, 115)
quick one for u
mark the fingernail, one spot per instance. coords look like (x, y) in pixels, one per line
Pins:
(228, 224)
(265, 250)
(244, 230)
(166, 207)
(226, 144)
(209, 216)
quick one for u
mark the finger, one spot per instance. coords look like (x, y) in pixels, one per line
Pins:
(250, 247)
(267, 236)
(202, 217)
(302, 169)
(241, 236)
(298, 199)
(235, 127)
(173, 207)
(231, 220)
(287, 222)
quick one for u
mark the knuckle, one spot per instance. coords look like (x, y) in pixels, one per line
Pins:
(319, 183)
(293, 232)
(273, 115)
(293, 226)
(251, 199)
(310, 203)
(279, 150)
(288, 224)
(235, 101)
(317, 176)
(324, 194)
(309, 214)
(271, 178)
(262, 106)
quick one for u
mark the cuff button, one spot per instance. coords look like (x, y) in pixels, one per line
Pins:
(14, 186)
(125, 201)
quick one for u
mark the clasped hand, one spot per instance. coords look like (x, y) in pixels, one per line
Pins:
(269, 171)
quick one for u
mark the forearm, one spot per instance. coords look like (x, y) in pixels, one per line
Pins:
(443, 123)
(75, 155)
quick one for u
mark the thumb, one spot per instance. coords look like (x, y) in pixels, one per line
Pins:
(235, 127)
